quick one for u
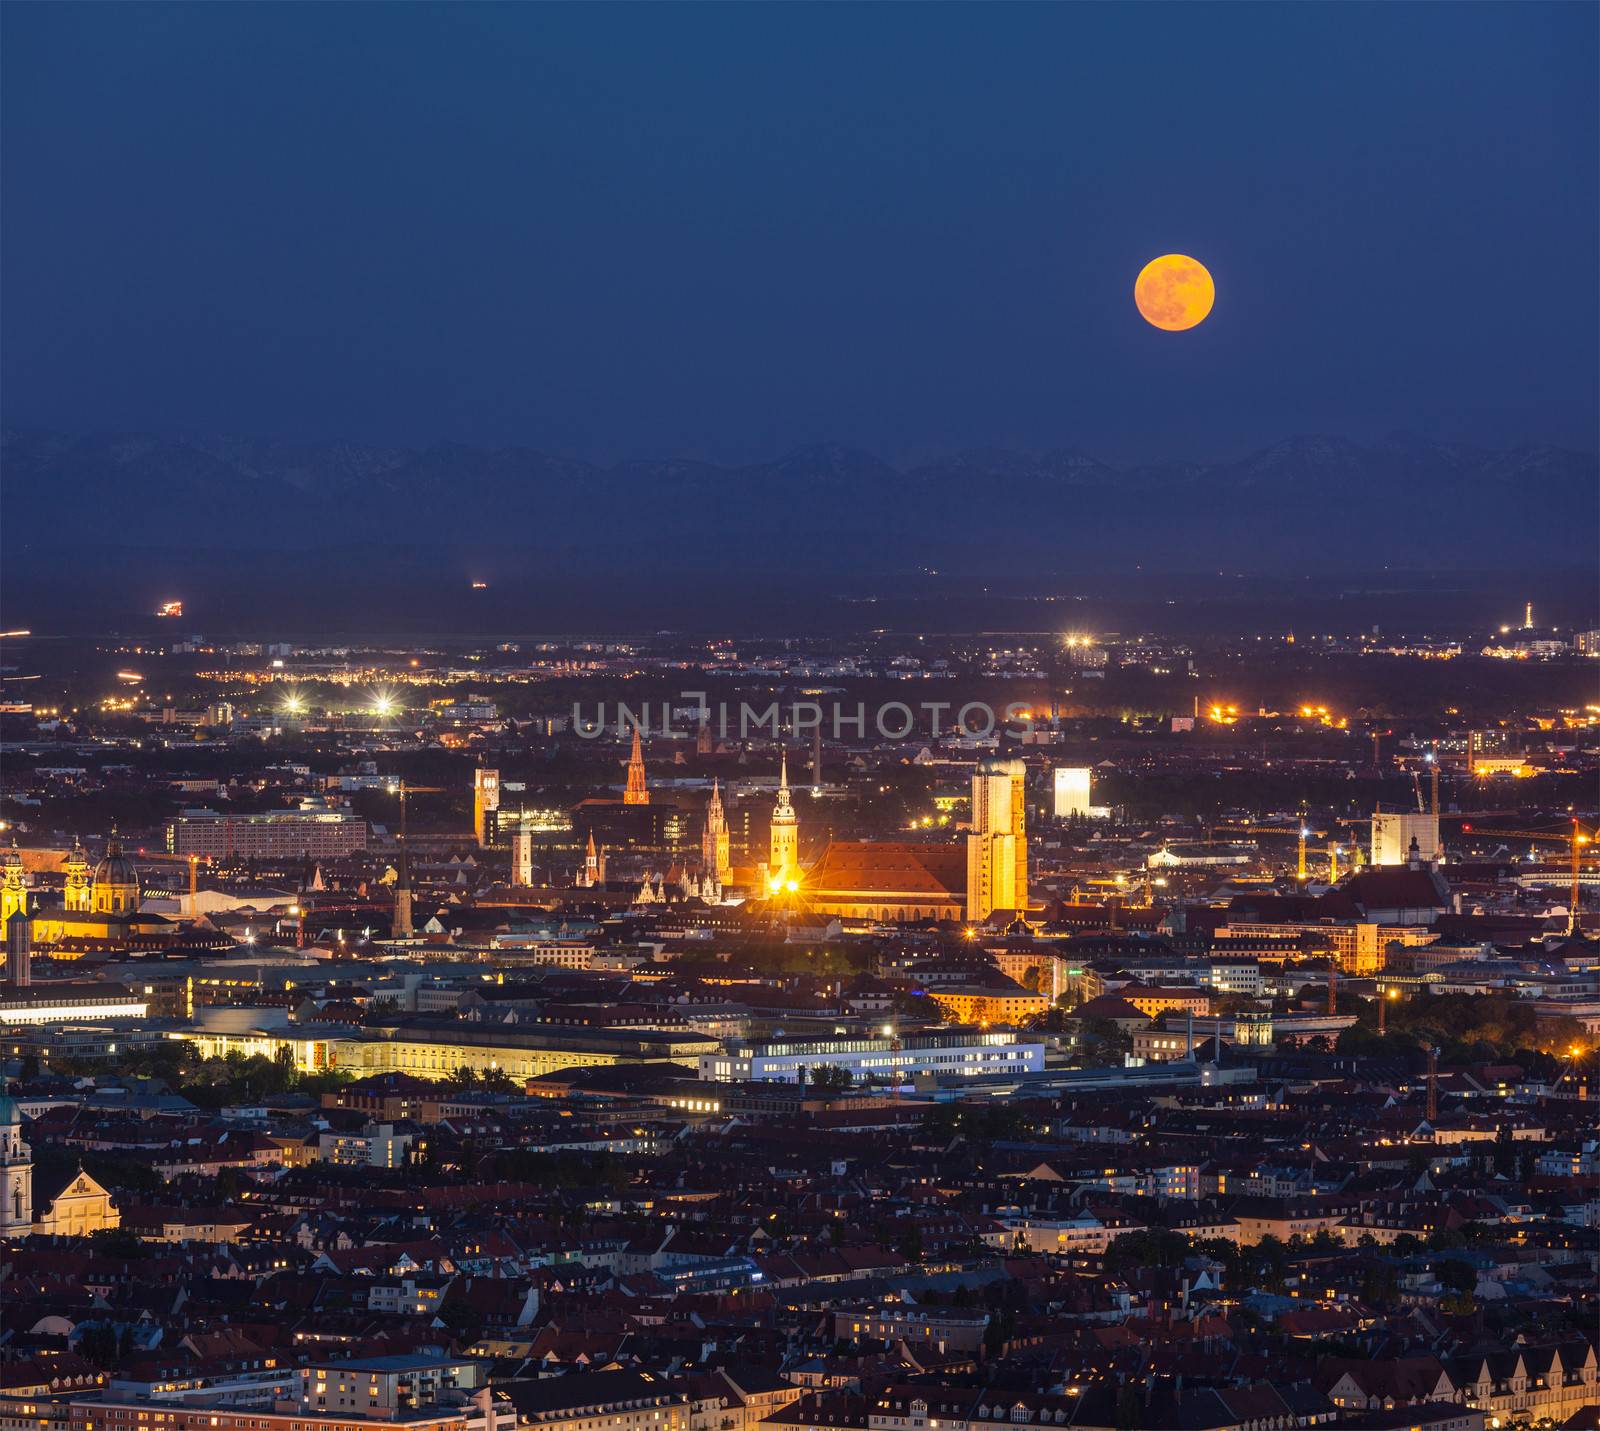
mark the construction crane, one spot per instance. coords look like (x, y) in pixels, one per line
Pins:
(401, 924)
(1576, 839)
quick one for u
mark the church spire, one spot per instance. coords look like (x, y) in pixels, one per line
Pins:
(784, 863)
(637, 793)
(714, 842)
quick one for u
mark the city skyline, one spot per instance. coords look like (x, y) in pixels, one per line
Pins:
(850, 717)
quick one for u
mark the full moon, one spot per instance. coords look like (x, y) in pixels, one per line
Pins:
(1174, 292)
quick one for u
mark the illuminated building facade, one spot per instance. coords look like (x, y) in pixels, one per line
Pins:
(1071, 792)
(522, 856)
(783, 861)
(13, 887)
(80, 1208)
(989, 1006)
(1392, 836)
(115, 887)
(485, 805)
(64, 1002)
(98, 912)
(16, 1174)
(958, 1054)
(715, 853)
(593, 874)
(636, 792)
(76, 897)
(997, 843)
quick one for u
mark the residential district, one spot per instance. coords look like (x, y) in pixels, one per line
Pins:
(674, 1036)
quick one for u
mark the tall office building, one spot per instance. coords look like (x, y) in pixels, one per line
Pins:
(997, 842)
(485, 805)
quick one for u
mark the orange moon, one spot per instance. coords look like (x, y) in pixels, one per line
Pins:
(1174, 292)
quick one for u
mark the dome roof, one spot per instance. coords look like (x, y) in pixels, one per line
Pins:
(115, 868)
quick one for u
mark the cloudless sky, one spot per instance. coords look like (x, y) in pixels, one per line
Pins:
(726, 230)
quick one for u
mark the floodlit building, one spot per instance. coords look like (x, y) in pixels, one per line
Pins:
(960, 1053)
(783, 862)
(1392, 836)
(522, 856)
(715, 855)
(485, 805)
(1072, 784)
(997, 844)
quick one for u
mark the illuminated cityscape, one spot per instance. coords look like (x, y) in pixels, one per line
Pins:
(548, 886)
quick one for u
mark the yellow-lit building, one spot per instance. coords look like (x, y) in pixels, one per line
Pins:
(437, 1058)
(989, 1006)
(99, 911)
(82, 1206)
(783, 861)
(1153, 1001)
(1357, 946)
(997, 842)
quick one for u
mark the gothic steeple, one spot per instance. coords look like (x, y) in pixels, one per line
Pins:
(714, 850)
(637, 793)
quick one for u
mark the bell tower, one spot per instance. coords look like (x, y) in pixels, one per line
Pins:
(16, 1174)
(783, 863)
(76, 898)
(13, 888)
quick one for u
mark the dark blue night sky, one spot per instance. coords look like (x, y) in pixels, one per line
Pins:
(722, 231)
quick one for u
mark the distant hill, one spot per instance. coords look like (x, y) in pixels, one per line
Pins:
(1307, 503)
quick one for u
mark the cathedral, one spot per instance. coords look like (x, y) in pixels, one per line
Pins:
(898, 881)
(97, 911)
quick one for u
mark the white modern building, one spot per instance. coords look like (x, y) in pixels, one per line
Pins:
(958, 1054)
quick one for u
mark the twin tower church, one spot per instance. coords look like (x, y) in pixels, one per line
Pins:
(976, 878)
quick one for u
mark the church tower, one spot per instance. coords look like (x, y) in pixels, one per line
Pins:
(16, 1174)
(485, 805)
(13, 888)
(783, 863)
(593, 875)
(997, 842)
(637, 793)
(76, 898)
(714, 853)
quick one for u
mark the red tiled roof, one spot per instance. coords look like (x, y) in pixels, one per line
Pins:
(851, 866)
